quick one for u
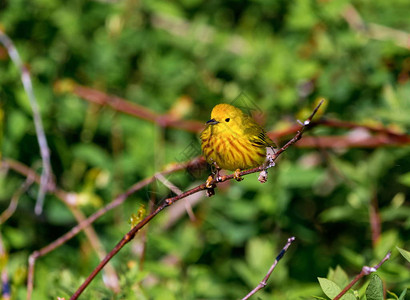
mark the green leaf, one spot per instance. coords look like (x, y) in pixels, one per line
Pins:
(403, 295)
(374, 290)
(406, 254)
(405, 179)
(331, 289)
(338, 276)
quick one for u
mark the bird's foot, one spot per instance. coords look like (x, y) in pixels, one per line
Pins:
(209, 184)
(210, 192)
(237, 175)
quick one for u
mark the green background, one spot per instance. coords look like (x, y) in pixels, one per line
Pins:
(187, 56)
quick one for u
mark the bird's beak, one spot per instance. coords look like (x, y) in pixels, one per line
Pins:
(212, 122)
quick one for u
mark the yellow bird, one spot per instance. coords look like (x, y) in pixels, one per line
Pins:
(232, 140)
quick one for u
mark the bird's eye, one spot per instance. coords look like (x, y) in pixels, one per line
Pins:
(227, 120)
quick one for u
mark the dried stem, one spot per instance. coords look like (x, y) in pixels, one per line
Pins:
(46, 181)
(169, 201)
(365, 271)
(262, 284)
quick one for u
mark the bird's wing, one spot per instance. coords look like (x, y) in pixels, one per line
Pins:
(257, 136)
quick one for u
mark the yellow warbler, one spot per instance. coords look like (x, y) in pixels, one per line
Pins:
(233, 140)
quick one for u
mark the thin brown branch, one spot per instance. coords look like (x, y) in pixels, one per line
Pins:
(69, 200)
(384, 136)
(365, 271)
(130, 108)
(262, 284)
(169, 201)
(177, 191)
(110, 274)
(116, 202)
(46, 181)
(85, 222)
(398, 137)
(351, 125)
(352, 141)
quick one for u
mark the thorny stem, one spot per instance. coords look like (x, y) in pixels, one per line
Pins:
(167, 202)
(262, 284)
(365, 271)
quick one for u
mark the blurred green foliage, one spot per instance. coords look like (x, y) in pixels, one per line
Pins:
(283, 55)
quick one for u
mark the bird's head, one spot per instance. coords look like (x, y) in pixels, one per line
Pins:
(225, 116)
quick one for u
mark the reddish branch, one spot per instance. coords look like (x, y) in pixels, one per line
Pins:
(84, 223)
(139, 111)
(346, 142)
(381, 136)
(365, 271)
(169, 201)
(371, 137)
(116, 202)
(67, 198)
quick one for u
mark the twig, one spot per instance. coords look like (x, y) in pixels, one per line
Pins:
(111, 278)
(262, 284)
(69, 200)
(347, 142)
(365, 271)
(130, 108)
(116, 202)
(385, 137)
(177, 191)
(46, 181)
(176, 211)
(169, 201)
(84, 223)
(5, 215)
